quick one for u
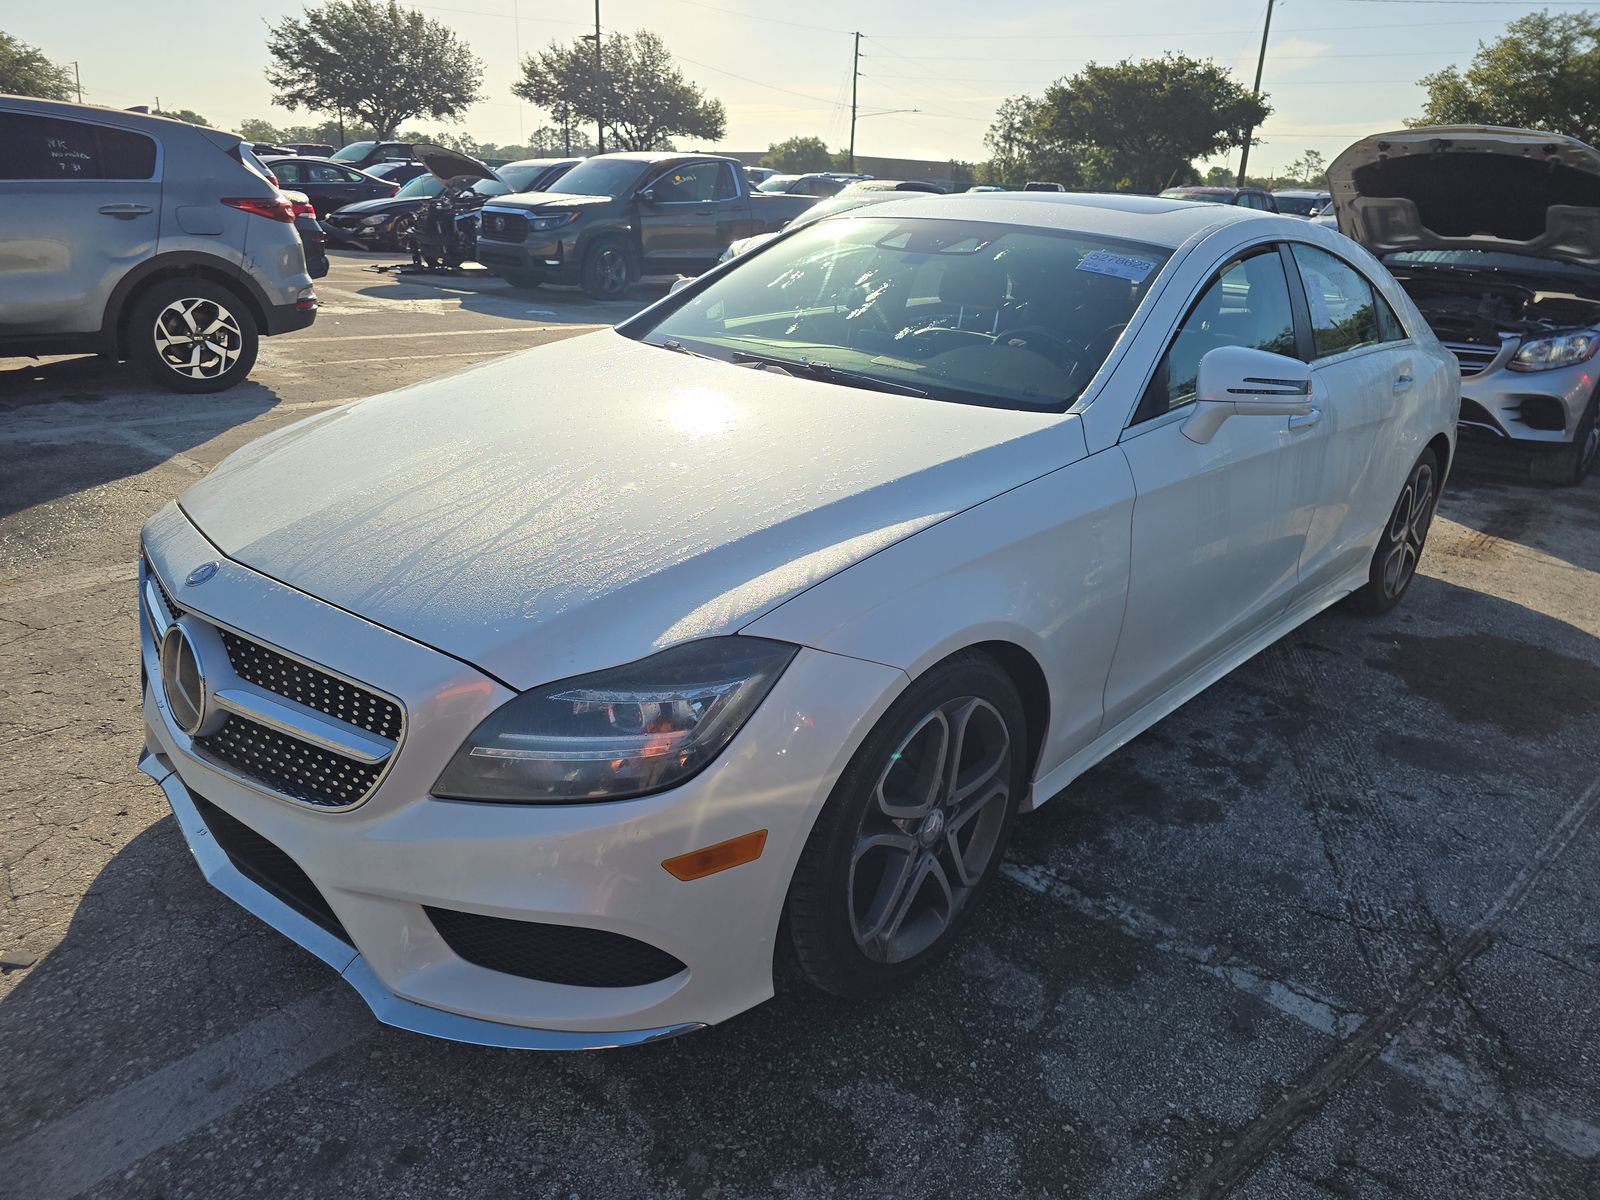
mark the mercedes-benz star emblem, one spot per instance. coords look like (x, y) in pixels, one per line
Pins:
(201, 573)
(183, 680)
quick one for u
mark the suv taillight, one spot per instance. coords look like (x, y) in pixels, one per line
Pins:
(277, 208)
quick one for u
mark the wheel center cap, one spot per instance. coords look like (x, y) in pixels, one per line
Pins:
(932, 827)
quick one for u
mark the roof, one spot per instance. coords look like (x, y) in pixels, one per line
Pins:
(110, 116)
(1167, 223)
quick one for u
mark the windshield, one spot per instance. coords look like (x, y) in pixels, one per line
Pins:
(519, 177)
(1299, 206)
(1488, 260)
(600, 177)
(421, 188)
(966, 311)
(354, 152)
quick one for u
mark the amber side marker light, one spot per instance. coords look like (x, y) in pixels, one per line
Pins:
(697, 864)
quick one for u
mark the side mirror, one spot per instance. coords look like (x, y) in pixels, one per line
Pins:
(1238, 381)
(648, 195)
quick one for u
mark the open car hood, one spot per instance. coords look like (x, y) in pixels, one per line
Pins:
(1471, 187)
(448, 165)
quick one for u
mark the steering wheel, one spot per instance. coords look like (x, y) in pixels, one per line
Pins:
(941, 339)
(1059, 349)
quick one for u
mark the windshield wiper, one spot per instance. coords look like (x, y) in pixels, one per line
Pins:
(818, 369)
(678, 348)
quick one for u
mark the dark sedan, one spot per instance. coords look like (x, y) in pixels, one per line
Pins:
(330, 185)
(385, 224)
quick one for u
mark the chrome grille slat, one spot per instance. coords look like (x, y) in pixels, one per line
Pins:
(1474, 358)
(331, 696)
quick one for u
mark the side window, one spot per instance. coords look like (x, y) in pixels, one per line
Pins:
(1247, 304)
(1344, 308)
(50, 148)
(1389, 327)
(690, 183)
(288, 172)
(726, 188)
(397, 154)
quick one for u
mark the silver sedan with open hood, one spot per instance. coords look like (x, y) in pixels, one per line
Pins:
(1495, 233)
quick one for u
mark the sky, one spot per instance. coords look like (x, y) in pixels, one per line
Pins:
(1335, 71)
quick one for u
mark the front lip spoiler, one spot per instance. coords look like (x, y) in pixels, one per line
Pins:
(389, 1008)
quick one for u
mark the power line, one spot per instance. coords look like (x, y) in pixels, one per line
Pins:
(733, 12)
(1069, 62)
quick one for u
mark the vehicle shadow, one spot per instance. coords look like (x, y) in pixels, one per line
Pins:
(1490, 493)
(70, 425)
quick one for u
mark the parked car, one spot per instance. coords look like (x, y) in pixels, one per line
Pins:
(261, 149)
(548, 700)
(816, 184)
(330, 185)
(313, 238)
(616, 217)
(1243, 197)
(396, 172)
(446, 230)
(1298, 202)
(1495, 234)
(759, 175)
(986, 187)
(142, 238)
(858, 195)
(314, 149)
(1038, 185)
(365, 154)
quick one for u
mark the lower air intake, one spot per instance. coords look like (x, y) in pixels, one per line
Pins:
(553, 953)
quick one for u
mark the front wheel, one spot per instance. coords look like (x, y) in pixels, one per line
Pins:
(913, 831)
(1394, 562)
(1569, 466)
(192, 335)
(607, 271)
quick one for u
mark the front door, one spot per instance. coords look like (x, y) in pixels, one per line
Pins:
(80, 204)
(1218, 526)
(682, 224)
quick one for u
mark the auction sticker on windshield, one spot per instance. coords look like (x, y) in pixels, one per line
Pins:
(1103, 262)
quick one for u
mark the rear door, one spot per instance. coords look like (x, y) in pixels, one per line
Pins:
(1218, 527)
(1363, 372)
(80, 204)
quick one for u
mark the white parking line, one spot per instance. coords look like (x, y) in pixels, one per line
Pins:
(314, 339)
(72, 1154)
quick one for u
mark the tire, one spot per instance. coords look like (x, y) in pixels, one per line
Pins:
(877, 897)
(522, 279)
(607, 270)
(1570, 466)
(401, 229)
(1394, 562)
(164, 338)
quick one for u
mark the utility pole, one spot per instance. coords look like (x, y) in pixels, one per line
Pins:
(599, 88)
(78, 80)
(855, 76)
(1261, 59)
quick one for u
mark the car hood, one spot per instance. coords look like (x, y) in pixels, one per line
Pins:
(382, 204)
(448, 165)
(1471, 187)
(528, 201)
(586, 503)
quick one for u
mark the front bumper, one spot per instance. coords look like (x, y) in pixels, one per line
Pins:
(380, 864)
(1535, 407)
(552, 257)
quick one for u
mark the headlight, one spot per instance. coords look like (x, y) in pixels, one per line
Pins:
(376, 219)
(555, 222)
(1561, 351)
(626, 731)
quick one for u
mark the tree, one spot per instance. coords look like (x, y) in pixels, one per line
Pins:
(1544, 73)
(1018, 151)
(377, 61)
(642, 96)
(1136, 126)
(181, 114)
(797, 155)
(25, 71)
(1309, 170)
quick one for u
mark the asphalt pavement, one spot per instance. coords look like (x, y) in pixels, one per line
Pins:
(1330, 930)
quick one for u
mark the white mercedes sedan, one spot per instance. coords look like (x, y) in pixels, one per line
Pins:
(547, 700)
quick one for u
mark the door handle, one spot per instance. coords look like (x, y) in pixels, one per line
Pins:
(1306, 420)
(125, 210)
(1402, 383)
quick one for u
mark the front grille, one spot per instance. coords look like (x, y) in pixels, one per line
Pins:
(173, 611)
(1474, 358)
(292, 679)
(552, 953)
(298, 769)
(504, 227)
(264, 864)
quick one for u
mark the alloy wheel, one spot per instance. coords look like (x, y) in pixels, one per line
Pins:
(198, 338)
(931, 830)
(611, 270)
(1591, 446)
(1408, 529)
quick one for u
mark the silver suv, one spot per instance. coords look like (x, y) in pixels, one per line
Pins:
(141, 238)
